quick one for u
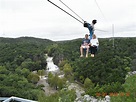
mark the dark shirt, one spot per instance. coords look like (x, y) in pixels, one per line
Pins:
(85, 41)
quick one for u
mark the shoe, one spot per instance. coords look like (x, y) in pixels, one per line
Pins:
(86, 55)
(81, 55)
(92, 55)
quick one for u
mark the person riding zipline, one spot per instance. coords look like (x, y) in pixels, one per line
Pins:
(90, 27)
(92, 48)
(85, 45)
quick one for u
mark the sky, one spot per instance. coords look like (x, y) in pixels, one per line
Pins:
(41, 19)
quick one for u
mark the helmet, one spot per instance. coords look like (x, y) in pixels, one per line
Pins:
(94, 21)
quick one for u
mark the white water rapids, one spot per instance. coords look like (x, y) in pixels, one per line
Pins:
(50, 65)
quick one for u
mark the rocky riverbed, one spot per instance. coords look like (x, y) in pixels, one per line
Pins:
(80, 93)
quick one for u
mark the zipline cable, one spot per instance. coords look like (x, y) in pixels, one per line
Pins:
(70, 14)
(108, 21)
(78, 15)
(71, 10)
(100, 10)
(65, 11)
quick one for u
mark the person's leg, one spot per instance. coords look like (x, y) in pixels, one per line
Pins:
(95, 50)
(92, 51)
(91, 34)
(90, 30)
(87, 50)
(81, 51)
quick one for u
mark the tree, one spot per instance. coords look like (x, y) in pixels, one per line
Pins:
(50, 76)
(68, 72)
(54, 81)
(61, 96)
(133, 67)
(3, 70)
(88, 83)
(61, 83)
(62, 63)
(18, 71)
(25, 72)
(34, 78)
(130, 91)
(41, 72)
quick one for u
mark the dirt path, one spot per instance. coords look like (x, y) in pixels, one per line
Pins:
(47, 89)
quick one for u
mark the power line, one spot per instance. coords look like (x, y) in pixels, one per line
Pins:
(113, 33)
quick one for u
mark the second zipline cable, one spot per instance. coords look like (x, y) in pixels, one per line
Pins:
(71, 10)
(65, 11)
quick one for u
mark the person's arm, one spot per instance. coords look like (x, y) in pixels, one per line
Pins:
(97, 42)
(86, 24)
(82, 42)
(88, 42)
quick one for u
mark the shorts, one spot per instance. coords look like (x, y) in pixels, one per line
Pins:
(85, 46)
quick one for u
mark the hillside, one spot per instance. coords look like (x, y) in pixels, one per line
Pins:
(105, 72)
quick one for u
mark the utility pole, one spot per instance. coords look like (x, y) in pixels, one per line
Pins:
(113, 35)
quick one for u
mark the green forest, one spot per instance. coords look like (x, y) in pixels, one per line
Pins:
(104, 74)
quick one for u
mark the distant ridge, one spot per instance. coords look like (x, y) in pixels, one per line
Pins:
(24, 39)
